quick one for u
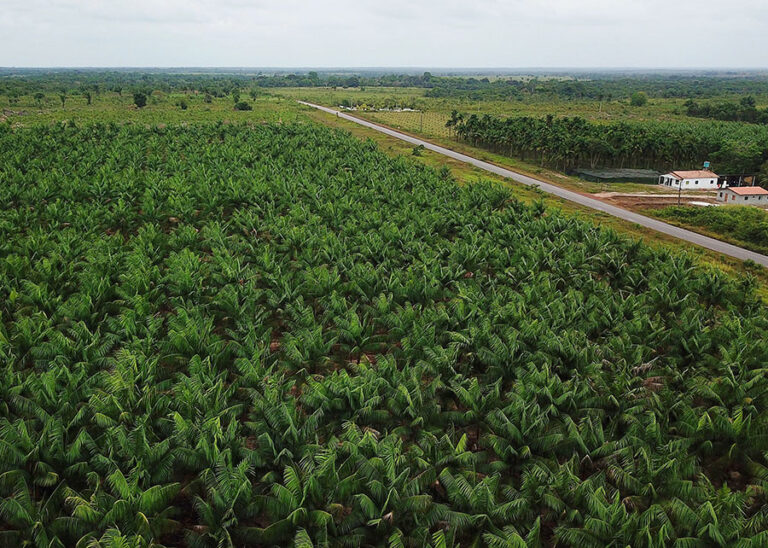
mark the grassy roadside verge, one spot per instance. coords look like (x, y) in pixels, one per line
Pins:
(737, 225)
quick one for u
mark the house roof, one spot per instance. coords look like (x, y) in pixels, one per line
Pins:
(696, 174)
(748, 190)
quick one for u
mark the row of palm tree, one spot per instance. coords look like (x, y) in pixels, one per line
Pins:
(228, 335)
(574, 142)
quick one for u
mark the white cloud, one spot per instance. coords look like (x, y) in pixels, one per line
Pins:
(490, 33)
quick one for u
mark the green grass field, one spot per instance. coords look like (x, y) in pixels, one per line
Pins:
(429, 123)
(109, 107)
(614, 110)
(273, 106)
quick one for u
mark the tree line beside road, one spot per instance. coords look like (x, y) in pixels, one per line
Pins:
(568, 142)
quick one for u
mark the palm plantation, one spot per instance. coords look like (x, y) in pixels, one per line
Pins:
(229, 335)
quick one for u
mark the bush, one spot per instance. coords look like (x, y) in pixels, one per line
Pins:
(140, 99)
(242, 105)
(638, 99)
(157, 97)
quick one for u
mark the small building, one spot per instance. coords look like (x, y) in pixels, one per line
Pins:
(743, 195)
(701, 179)
(737, 179)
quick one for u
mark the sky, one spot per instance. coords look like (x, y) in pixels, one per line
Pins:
(384, 33)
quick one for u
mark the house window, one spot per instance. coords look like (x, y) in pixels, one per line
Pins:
(721, 194)
(746, 198)
(697, 182)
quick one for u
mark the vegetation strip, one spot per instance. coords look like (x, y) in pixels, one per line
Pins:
(572, 141)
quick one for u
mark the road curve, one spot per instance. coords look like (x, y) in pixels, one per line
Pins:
(593, 203)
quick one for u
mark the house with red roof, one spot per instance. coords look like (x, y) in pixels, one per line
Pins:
(743, 195)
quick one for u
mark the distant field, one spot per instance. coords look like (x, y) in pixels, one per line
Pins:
(274, 104)
(279, 105)
(656, 109)
(108, 107)
(429, 123)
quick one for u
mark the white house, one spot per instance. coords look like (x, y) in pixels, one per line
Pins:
(701, 179)
(743, 195)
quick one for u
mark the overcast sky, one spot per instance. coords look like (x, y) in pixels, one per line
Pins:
(380, 33)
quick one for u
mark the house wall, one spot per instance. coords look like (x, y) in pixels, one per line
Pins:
(696, 184)
(689, 184)
(731, 198)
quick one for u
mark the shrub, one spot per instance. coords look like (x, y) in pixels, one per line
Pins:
(638, 99)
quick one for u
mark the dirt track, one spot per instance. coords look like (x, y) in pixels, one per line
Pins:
(639, 202)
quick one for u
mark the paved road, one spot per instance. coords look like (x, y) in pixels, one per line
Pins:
(581, 199)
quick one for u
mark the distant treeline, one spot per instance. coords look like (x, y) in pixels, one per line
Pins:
(571, 142)
(16, 82)
(597, 89)
(381, 103)
(743, 111)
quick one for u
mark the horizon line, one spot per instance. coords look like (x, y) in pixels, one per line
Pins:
(381, 67)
